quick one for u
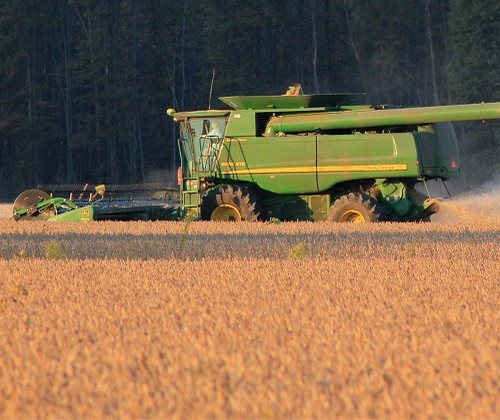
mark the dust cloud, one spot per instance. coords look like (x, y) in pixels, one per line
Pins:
(480, 205)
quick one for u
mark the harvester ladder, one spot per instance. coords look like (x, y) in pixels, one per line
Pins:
(190, 198)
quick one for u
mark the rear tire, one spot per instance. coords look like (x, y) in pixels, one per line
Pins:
(354, 208)
(231, 203)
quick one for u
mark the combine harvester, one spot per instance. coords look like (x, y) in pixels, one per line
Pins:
(306, 157)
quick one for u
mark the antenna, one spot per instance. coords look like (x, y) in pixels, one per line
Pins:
(211, 89)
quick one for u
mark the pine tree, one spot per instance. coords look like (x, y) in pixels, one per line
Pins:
(473, 63)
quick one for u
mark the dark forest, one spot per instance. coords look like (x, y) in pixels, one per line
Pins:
(84, 84)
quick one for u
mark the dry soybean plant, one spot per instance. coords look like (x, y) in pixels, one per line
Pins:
(243, 320)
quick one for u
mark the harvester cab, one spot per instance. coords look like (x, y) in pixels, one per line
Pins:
(201, 136)
(201, 140)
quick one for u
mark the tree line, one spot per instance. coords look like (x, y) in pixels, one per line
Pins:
(84, 84)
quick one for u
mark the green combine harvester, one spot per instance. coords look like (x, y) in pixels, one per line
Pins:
(306, 157)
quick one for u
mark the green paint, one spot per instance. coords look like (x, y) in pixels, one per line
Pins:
(80, 214)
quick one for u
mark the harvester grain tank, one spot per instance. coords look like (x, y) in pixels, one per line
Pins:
(306, 157)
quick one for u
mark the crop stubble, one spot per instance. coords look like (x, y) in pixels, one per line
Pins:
(225, 320)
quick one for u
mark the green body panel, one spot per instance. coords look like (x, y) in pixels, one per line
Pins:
(315, 163)
(281, 165)
(241, 124)
(438, 151)
(80, 214)
(354, 157)
(301, 153)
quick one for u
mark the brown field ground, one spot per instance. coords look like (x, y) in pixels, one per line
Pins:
(291, 320)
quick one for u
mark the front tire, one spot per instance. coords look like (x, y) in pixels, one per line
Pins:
(354, 208)
(231, 203)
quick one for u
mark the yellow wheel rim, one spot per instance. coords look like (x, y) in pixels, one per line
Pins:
(226, 213)
(352, 216)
